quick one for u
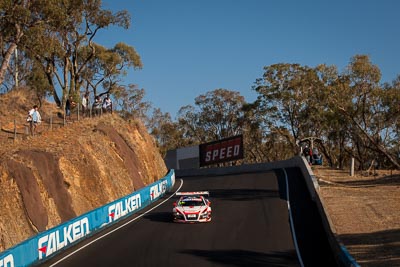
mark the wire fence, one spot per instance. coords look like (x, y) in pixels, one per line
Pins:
(19, 128)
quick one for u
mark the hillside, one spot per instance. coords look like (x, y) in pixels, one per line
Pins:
(65, 171)
(365, 212)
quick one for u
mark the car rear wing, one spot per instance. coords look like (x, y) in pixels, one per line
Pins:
(198, 193)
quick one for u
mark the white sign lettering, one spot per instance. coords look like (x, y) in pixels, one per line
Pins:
(158, 189)
(58, 239)
(124, 207)
(223, 153)
(7, 261)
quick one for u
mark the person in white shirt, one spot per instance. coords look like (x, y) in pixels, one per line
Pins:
(107, 104)
(34, 119)
(85, 104)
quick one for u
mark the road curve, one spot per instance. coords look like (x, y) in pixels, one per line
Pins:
(250, 227)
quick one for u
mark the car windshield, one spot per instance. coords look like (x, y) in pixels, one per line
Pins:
(187, 203)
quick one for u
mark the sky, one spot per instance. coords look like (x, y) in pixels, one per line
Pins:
(191, 47)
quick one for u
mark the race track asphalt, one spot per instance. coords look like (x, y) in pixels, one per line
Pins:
(250, 227)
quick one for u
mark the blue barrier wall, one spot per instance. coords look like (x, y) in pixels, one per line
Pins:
(46, 244)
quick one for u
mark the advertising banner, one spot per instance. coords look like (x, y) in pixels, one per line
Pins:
(223, 150)
(46, 244)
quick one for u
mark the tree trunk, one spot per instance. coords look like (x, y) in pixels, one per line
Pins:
(10, 52)
(6, 61)
(378, 146)
(53, 90)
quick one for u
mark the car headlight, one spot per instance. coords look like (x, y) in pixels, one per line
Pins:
(177, 214)
(205, 211)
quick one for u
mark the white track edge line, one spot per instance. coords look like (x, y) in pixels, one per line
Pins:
(116, 229)
(291, 221)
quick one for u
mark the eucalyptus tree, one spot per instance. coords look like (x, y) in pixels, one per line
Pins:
(263, 143)
(366, 106)
(70, 58)
(167, 133)
(37, 81)
(220, 113)
(108, 66)
(18, 19)
(287, 100)
(330, 126)
(392, 101)
(188, 119)
(217, 114)
(130, 102)
(156, 124)
(254, 134)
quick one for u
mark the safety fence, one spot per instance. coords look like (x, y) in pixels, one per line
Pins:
(19, 128)
(47, 244)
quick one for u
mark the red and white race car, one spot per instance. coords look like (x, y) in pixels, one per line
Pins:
(192, 207)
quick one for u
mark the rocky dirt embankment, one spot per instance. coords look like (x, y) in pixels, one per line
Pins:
(59, 174)
(365, 211)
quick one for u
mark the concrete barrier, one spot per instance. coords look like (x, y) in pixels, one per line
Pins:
(47, 244)
(343, 257)
(312, 183)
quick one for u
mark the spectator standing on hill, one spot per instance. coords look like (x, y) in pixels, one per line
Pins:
(68, 105)
(107, 104)
(85, 104)
(97, 106)
(34, 119)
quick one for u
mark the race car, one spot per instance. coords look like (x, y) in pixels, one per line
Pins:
(192, 207)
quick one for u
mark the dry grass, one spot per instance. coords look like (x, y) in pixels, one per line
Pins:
(14, 110)
(88, 154)
(365, 211)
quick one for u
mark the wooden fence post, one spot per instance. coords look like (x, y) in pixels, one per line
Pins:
(352, 167)
(51, 121)
(15, 129)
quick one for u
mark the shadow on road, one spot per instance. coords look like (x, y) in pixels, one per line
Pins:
(243, 194)
(165, 217)
(246, 258)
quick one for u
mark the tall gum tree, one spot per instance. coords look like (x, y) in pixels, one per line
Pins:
(351, 112)
(71, 49)
(217, 114)
(18, 18)
(285, 99)
(108, 66)
(364, 104)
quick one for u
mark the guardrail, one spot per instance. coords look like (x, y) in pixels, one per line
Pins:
(343, 257)
(48, 243)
